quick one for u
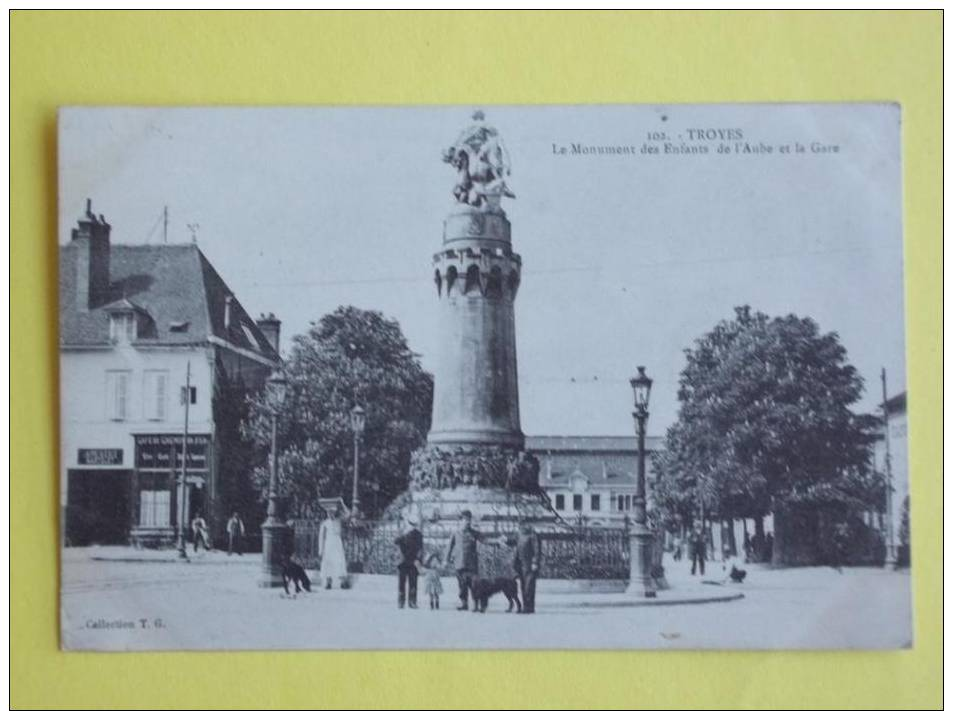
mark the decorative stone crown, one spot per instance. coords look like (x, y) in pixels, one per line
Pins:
(489, 272)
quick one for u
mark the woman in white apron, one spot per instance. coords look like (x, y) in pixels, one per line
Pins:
(331, 550)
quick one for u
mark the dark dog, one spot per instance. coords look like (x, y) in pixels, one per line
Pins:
(292, 572)
(483, 589)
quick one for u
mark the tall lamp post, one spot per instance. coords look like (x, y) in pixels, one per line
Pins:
(358, 418)
(640, 537)
(273, 531)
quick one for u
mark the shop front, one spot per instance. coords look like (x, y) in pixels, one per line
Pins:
(98, 494)
(156, 502)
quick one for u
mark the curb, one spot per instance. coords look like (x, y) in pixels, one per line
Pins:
(651, 602)
(197, 561)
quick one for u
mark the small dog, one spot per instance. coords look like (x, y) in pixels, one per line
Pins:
(483, 589)
(292, 572)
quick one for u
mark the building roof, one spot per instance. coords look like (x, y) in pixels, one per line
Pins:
(898, 403)
(605, 444)
(602, 461)
(174, 284)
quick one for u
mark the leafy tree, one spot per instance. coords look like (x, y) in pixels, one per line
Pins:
(238, 493)
(349, 357)
(765, 424)
(903, 552)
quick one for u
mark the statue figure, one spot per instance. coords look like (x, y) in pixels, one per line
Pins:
(482, 165)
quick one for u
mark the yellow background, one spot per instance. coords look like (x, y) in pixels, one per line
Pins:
(470, 58)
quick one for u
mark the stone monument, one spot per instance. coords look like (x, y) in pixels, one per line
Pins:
(474, 456)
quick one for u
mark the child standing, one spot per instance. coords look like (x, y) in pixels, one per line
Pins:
(432, 585)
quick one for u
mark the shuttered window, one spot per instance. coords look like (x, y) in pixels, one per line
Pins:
(117, 394)
(155, 389)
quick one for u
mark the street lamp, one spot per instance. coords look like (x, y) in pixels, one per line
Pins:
(272, 530)
(358, 418)
(640, 537)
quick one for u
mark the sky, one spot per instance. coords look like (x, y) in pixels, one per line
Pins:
(628, 257)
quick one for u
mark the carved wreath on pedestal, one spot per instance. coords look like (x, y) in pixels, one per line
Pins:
(443, 467)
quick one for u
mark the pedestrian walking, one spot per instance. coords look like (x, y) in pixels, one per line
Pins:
(432, 585)
(199, 533)
(696, 547)
(236, 534)
(331, 550)
(411, 545)
(529, 554)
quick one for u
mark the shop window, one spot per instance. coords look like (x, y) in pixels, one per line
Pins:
(155, 508)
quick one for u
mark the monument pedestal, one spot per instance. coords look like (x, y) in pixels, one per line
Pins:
(493, 482)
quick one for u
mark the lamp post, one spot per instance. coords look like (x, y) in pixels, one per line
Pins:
(273, 531)
(358, 418)
(640, 537)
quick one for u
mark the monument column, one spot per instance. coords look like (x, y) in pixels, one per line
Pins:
(477, 275)
(474, 456)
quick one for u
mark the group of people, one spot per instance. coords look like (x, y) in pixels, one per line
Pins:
(235, 528)
(462, 555)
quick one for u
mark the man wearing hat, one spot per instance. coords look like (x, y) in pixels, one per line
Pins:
(463, 553)
(411, 546)
(529, 553)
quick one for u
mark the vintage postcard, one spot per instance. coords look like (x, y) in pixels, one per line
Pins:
(499, 377)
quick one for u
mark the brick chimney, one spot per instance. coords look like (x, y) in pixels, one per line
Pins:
(90, 239)
(271, 327)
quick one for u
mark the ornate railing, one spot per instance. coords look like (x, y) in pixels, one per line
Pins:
(571, 552)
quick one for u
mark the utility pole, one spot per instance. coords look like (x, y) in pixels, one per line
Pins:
(185, 460)
(165, 224)
(891, 552)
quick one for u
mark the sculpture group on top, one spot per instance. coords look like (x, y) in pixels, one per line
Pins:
(482, 165)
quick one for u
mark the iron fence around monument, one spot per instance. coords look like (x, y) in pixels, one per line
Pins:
(570, 552)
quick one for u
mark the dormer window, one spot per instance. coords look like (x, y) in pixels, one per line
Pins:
(122, 328)
(127, 322)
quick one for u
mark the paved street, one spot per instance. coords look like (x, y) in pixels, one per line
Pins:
(213, 602)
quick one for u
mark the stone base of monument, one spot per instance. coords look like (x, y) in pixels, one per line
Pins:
(488, 507)
(496, 484)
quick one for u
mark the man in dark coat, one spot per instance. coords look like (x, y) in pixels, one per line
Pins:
(696, 547)
(462, 552)
(411, 546)
(529, 552)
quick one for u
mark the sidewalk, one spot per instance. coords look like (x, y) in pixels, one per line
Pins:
(128, 554)
(555, 594)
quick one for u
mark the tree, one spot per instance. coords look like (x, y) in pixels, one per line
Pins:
(765, 425)
(903, 551)
(349, 357)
